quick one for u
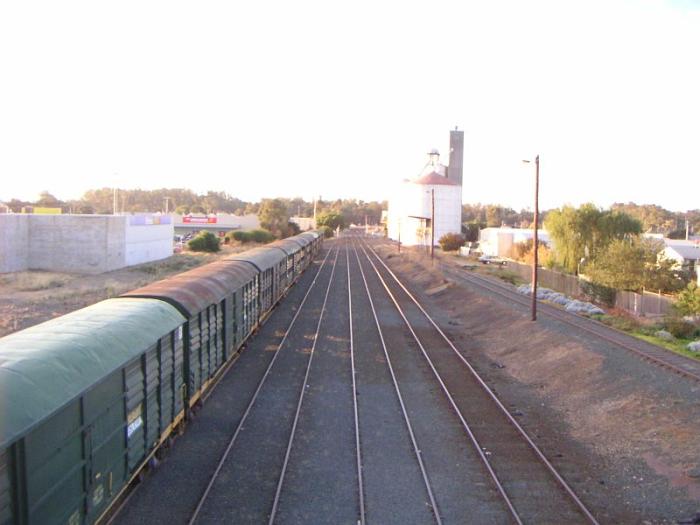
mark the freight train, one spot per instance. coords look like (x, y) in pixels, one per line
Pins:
(87, 399)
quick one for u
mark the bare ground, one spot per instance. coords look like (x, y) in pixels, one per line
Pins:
(29, 298)
(622, 430)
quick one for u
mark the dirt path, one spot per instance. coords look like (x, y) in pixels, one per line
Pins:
(29, 298)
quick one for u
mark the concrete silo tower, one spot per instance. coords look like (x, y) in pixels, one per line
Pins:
(454, 171)
(410, 216)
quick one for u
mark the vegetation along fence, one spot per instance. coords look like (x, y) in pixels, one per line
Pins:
(644, 304)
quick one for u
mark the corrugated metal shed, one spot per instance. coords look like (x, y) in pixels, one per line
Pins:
(46, 366)
(263, 258)
(194, 290)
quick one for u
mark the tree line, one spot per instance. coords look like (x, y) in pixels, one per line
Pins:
(184, 201)
(608, 248)
(652, 218)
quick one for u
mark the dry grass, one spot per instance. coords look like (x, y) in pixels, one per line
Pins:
(33, 281)
(177, 263)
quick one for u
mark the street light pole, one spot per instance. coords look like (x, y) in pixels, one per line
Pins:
(533, 306)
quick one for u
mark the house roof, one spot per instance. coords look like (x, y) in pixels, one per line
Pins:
(435, 178)
(687, 251)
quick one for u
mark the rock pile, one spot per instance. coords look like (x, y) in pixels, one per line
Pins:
(570, 305)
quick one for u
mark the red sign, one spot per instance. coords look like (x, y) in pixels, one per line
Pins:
(198, 220)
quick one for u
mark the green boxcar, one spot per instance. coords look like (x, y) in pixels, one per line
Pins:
(86, 398)
(221, 304)
(83, 404)
(271, 263)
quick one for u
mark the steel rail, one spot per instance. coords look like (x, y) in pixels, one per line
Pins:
(231, 442)
(354, 397)
(280, 481)
(416, 450)
(582, 507)
(467, 427)
(562, 317)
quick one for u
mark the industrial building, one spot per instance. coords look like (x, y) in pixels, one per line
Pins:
(88, 244)
(217, 223)
(424, 209)
(500, 241)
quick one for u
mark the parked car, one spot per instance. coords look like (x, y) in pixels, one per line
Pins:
(492, 259)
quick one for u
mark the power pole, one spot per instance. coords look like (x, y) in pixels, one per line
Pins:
(167, 203)
(533, 307)
(535, 243)
(432, 224)
(399, 233)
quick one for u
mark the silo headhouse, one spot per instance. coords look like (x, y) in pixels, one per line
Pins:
(437, 192)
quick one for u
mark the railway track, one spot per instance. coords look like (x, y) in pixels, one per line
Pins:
(409, 427)
(304, 387)
(385, 424)
(530, 487)
(356, 414)
(659, 356)
(225, 456)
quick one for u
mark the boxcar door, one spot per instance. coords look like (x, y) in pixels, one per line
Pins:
(104, 443)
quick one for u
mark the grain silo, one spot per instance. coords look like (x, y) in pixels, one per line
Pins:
(436, 191)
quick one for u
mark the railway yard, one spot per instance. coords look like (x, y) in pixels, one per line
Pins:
(364, 399)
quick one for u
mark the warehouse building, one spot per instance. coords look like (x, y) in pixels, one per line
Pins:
(217, 223)
(82, 243)
(436, 194)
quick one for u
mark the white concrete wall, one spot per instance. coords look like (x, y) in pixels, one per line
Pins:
(146, 243)
(14, 243)
(76, 243)
(87, 244)
(448, 209)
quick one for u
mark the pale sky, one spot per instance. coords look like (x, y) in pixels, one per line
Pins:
(343, 99)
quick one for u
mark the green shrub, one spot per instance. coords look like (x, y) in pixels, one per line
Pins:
(688, 302)
(327, 231)
(509, 277)
(292, 229)
(451, 242)
(620, 322)
(598, 293)
(239, 236)
(204, 242)
(261, 236)
(679, 328)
